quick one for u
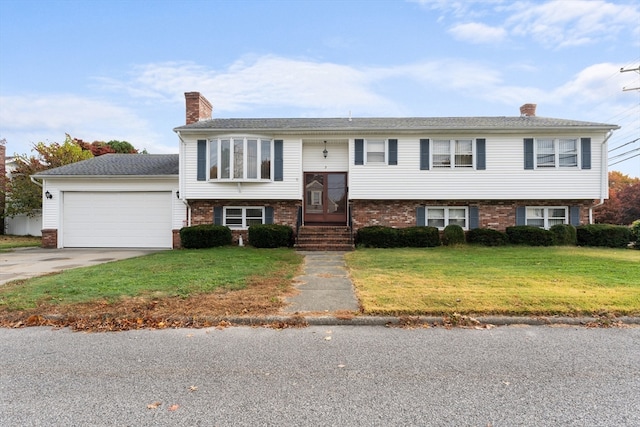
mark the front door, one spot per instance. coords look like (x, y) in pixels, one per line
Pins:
(325, 198)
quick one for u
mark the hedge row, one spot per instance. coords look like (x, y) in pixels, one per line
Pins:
(612, 236)
(260, 236)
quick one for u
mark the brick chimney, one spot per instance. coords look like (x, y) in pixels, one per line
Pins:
(198, 108)
(528, 110)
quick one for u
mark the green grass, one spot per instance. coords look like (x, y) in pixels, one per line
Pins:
(8, 242)
(511, 280)
(164, 274)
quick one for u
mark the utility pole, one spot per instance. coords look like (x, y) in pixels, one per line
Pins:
(623, 70)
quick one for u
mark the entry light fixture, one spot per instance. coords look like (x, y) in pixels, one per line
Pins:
(48, 195)
(325, 152)
(178, 194)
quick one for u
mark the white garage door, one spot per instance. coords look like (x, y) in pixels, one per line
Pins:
(117, 220)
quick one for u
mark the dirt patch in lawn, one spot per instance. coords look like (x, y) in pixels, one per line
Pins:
(197, 311)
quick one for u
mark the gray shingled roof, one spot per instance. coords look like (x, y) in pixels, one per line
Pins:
(285, 125)
(119, 164)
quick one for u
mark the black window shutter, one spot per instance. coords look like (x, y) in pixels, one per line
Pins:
(528, 153)
(278, 160)
(521, 215)
(359, 152)
(420, 216)
(586, 152)
(393, 151)
(574, 215)
(424, 154)
(202, 160)
(268, 215)
(217, 215)
(474, 217)
(481, 154)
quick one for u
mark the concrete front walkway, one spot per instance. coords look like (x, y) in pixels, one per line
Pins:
(324, 285)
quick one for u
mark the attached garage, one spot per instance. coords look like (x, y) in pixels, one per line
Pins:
(113, 201)
(116, 219)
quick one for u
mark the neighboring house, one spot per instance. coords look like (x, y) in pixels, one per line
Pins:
(114, 200)
(490, 172)
(345, 173)
(22, 224)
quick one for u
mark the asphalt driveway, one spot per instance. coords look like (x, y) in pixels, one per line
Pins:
(24, 263)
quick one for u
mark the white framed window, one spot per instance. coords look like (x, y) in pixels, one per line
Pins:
(452, 153)
(556, 153)
(240, 159)
(242, 217)
(441, 216)
(546, 217)
(376, 150)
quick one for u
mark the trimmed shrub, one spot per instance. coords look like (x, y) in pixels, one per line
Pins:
(487, 237)
(419, 237)
(635, 233)
(453, 234)
(270, 236)
(378, 236)
(529, 235)
(205, 236)
(606, 235)
(564, 234)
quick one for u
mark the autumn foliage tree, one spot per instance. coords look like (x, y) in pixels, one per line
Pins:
(623, 205)
(21, 194)
(98, 148)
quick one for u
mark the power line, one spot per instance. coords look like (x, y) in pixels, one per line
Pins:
(630, 142)
(624, 160)
(625, 153)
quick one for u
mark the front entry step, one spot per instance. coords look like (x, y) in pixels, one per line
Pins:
(324, 238)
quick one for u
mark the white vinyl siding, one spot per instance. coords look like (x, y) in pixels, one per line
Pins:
(503, 179)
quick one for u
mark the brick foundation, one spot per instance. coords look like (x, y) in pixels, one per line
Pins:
(284, 212)
(496, 214)
(50, 238)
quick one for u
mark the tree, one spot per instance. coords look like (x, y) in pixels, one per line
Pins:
(22, 195)
(98, 148)
(623, 205)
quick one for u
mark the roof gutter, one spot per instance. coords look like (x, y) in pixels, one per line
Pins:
(33, 179)
(604, 175)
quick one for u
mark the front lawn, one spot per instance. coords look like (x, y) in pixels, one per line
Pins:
(506, 281)
(8, 242)
(204, 282)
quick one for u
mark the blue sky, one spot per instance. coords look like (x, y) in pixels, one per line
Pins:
(102, 70)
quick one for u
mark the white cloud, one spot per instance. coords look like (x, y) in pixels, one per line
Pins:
(562, 23)
(35, 118)
(478, 33)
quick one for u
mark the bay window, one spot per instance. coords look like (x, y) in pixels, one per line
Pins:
(240, 159)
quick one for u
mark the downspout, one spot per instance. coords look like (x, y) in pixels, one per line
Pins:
(180, 186)
(603, 175)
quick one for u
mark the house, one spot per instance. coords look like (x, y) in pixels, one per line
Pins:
(328, 177)
(490, 172)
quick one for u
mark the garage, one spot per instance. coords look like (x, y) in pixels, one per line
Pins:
(124, 219)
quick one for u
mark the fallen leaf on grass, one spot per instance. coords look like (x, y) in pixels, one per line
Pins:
(174, 407)
(154, 405)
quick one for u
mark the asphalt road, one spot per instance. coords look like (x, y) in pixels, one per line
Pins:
(320, 376)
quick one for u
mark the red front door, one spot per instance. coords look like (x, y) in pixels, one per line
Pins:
(325, 198)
